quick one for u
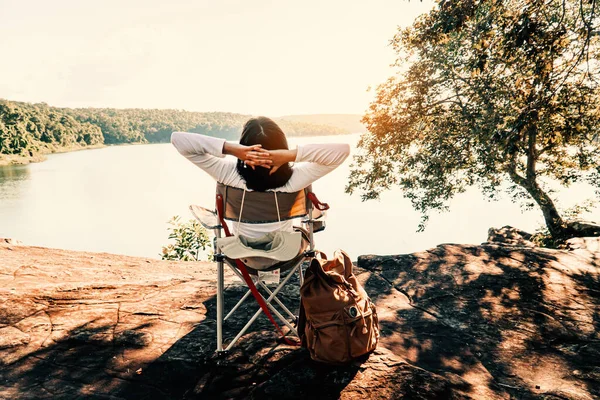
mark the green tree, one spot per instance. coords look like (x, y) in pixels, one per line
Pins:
(487, 92)
(191, 241)
(26, 129)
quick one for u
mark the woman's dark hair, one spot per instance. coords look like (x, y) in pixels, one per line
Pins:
(266, 132)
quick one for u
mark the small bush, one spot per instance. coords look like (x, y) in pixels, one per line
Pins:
(543, 238)
(191, 241)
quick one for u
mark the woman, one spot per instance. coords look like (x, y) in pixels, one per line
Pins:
(263, 163)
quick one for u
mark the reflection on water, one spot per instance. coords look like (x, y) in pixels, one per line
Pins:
(119, 199)
(12, 177)
(13, 173)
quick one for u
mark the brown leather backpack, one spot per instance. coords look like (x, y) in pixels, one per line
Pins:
(338, 321)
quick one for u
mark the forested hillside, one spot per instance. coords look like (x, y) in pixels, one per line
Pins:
(348, 122)
(27, 130)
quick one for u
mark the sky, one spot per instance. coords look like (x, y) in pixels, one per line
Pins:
(253, 57)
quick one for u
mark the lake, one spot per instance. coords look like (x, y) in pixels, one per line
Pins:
(119, 199)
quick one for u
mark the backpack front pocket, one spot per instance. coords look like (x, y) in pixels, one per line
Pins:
(328, 342)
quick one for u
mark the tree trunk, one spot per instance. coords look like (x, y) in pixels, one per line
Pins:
(554, 221)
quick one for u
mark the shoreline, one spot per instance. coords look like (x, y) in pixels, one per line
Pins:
(14, 160)
(7, 160)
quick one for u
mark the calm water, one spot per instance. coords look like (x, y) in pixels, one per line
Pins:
(118, 200)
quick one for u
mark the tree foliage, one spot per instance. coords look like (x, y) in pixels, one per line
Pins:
(156, 126)
(487, 92)
(26, 129)
(190, 241)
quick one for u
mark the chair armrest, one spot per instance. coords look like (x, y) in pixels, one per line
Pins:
(207, 218)
(316, 203)
(317, 220)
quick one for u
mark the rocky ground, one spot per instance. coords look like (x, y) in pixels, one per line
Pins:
(495, 321)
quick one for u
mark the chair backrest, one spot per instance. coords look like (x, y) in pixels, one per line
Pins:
(260, 207)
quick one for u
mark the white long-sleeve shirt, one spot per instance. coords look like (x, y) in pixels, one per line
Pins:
(312, 162)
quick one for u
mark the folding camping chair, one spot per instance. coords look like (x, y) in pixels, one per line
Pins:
(260, 207)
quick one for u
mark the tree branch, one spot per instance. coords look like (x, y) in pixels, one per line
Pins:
(511, 169)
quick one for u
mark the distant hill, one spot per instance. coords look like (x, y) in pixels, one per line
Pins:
(348, 122)
(27, 131)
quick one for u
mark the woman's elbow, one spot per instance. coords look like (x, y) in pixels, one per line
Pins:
(175, 138)
(178, 141)
(340, 154)
(345, 151)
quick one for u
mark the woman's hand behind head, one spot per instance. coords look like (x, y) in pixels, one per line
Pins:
(256, 156)
(253, 156)
(272, 157)
(281, 157)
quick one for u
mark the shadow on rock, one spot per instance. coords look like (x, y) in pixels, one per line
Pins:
(510, 321)
(457, 322)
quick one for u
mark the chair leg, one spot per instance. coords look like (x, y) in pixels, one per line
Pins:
(272, 296)
(269, 292)
(244, 329)
(220, 285)
(239, 303)
(256, 315)
(281, 318)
